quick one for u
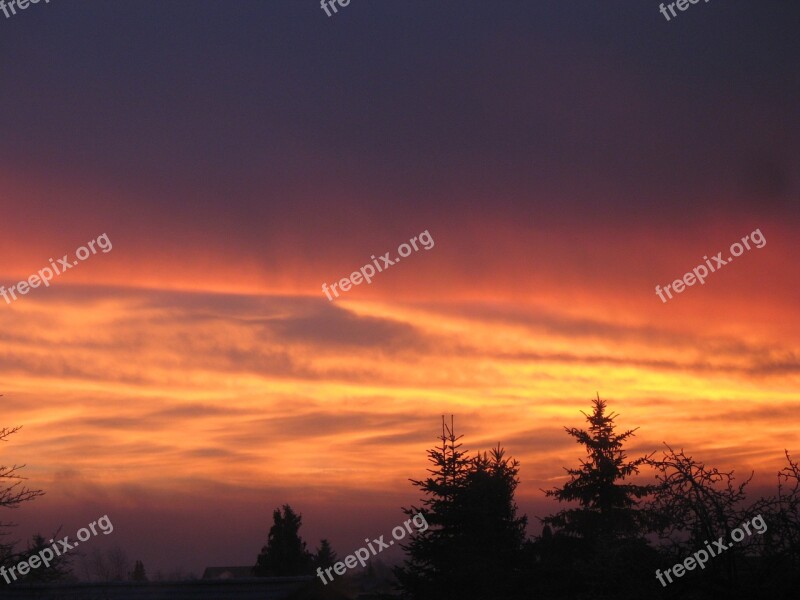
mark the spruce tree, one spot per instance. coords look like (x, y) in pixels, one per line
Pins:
(472, 545)
(491, 535)
(139, 573)
(58, 568)
(424, 574)
(608, 507)
(598, 547)
(285, 552)
(325, 556)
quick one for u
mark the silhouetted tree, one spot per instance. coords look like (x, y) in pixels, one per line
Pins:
(325, 556)
(12, 494)
(695, 499)
(424, 572)
(693, 504)
(598, 547)
(58, 569)
(472, 544)
(138, 573)
(608, 508)
(112, 565)
(490, 535)
(285, 552)
(779, 572)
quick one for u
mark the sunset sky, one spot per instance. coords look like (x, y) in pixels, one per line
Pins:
(565, 157)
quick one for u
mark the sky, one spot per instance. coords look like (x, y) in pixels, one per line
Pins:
(563, 159)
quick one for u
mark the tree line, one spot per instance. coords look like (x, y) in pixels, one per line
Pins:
(615, 532)
(617, 528)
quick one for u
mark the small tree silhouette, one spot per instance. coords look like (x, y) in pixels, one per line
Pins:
(111, 565)
(57, 570)
(138, 573)
(285, 552)
(325, 556)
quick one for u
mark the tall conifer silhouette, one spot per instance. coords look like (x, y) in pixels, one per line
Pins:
(422, 574)
(471, 549)
(607, 506)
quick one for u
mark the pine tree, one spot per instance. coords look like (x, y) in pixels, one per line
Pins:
(608, 508)
(598, 548)
(472, 545)
(423, 575)
(138, 572)
(58, 568)
(285, 552)
(491, 534)
(325, 556)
